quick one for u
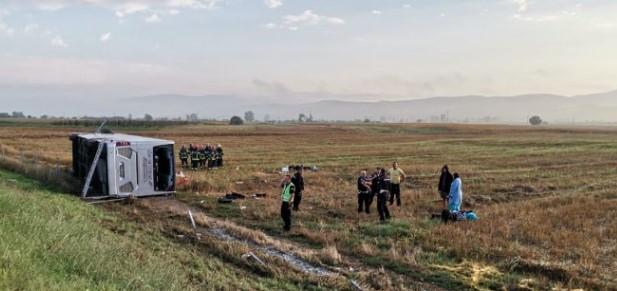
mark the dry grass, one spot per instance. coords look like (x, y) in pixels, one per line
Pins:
(545, 196)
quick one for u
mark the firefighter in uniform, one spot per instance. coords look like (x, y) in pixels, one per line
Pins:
(184, 157)
(286, 193)
(202, 157)
(209, 156)
(194, 159)
(219, 156)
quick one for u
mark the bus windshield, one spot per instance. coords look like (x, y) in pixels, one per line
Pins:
(164, 172)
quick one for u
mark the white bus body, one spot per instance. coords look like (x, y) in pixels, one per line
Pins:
(128, 165)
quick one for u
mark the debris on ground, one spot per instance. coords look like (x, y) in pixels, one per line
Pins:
(286, 169)
(236, 195)
(355, 285)
(252, 256)
(230, 197)
(181, 179)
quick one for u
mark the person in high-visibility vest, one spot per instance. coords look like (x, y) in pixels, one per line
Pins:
(286, 193)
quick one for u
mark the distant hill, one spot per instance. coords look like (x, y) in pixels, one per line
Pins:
(599, 107)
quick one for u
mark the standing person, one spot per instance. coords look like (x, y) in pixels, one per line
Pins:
(209, 158)
(298, 181)
(397, 176)
(379, 181)
(364, 193)
(194, 158)
(455, 198)
(202, 157)
(287, 189)
(219, 155)
(445, 181)
(184, 156)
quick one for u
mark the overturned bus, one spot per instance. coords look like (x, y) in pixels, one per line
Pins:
(121, 165)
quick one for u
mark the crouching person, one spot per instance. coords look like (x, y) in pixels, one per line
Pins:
(287, 190)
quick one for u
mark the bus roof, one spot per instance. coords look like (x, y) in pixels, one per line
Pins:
(121, 137)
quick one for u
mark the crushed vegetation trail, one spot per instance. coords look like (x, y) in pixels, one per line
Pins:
(255, 248)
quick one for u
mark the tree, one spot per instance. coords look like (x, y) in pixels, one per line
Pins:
(236, 120)
(148, 117)
(310, 118)
(249, 116)
(535, 120)
(367, 120)
(301, 117)
(17, 114)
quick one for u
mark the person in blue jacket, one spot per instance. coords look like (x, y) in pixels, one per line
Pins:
(455, 198)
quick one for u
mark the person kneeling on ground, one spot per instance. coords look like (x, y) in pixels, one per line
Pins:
(364, 193)
(287, 189)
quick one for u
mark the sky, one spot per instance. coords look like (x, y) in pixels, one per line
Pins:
(302, 51)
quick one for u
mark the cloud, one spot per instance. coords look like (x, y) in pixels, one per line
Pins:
(5, 29)
(376, 12)
(174, 12)
(57, 41)
(153, 18)
(105, 37)
(128, 8)
(307, 18)
(275, 88)
(273, 3)
(68, 71)
(30, 27)
(270, 25)
(522, 5)
(51, 5)
(194, 4)
(406, 6)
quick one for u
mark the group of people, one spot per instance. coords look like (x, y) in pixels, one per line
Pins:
(451, 190)
(201, 156)
(383, 184)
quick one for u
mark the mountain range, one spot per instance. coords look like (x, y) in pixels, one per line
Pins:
(601, 107)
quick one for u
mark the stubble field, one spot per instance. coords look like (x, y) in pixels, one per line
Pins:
(545, 197)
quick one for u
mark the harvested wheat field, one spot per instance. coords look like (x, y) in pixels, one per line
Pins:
(545, 197)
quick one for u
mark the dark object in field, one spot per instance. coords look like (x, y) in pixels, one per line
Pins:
(446, 216)
(260, 195)
(236, 195)
(230, 197)
(305, 168)
(225, 200)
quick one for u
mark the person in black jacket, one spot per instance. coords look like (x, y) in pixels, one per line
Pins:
(445, 180)
(364, 193)
(298, 181)
(381, 186)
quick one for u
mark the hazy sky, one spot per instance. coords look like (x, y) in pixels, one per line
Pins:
(345, 49)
